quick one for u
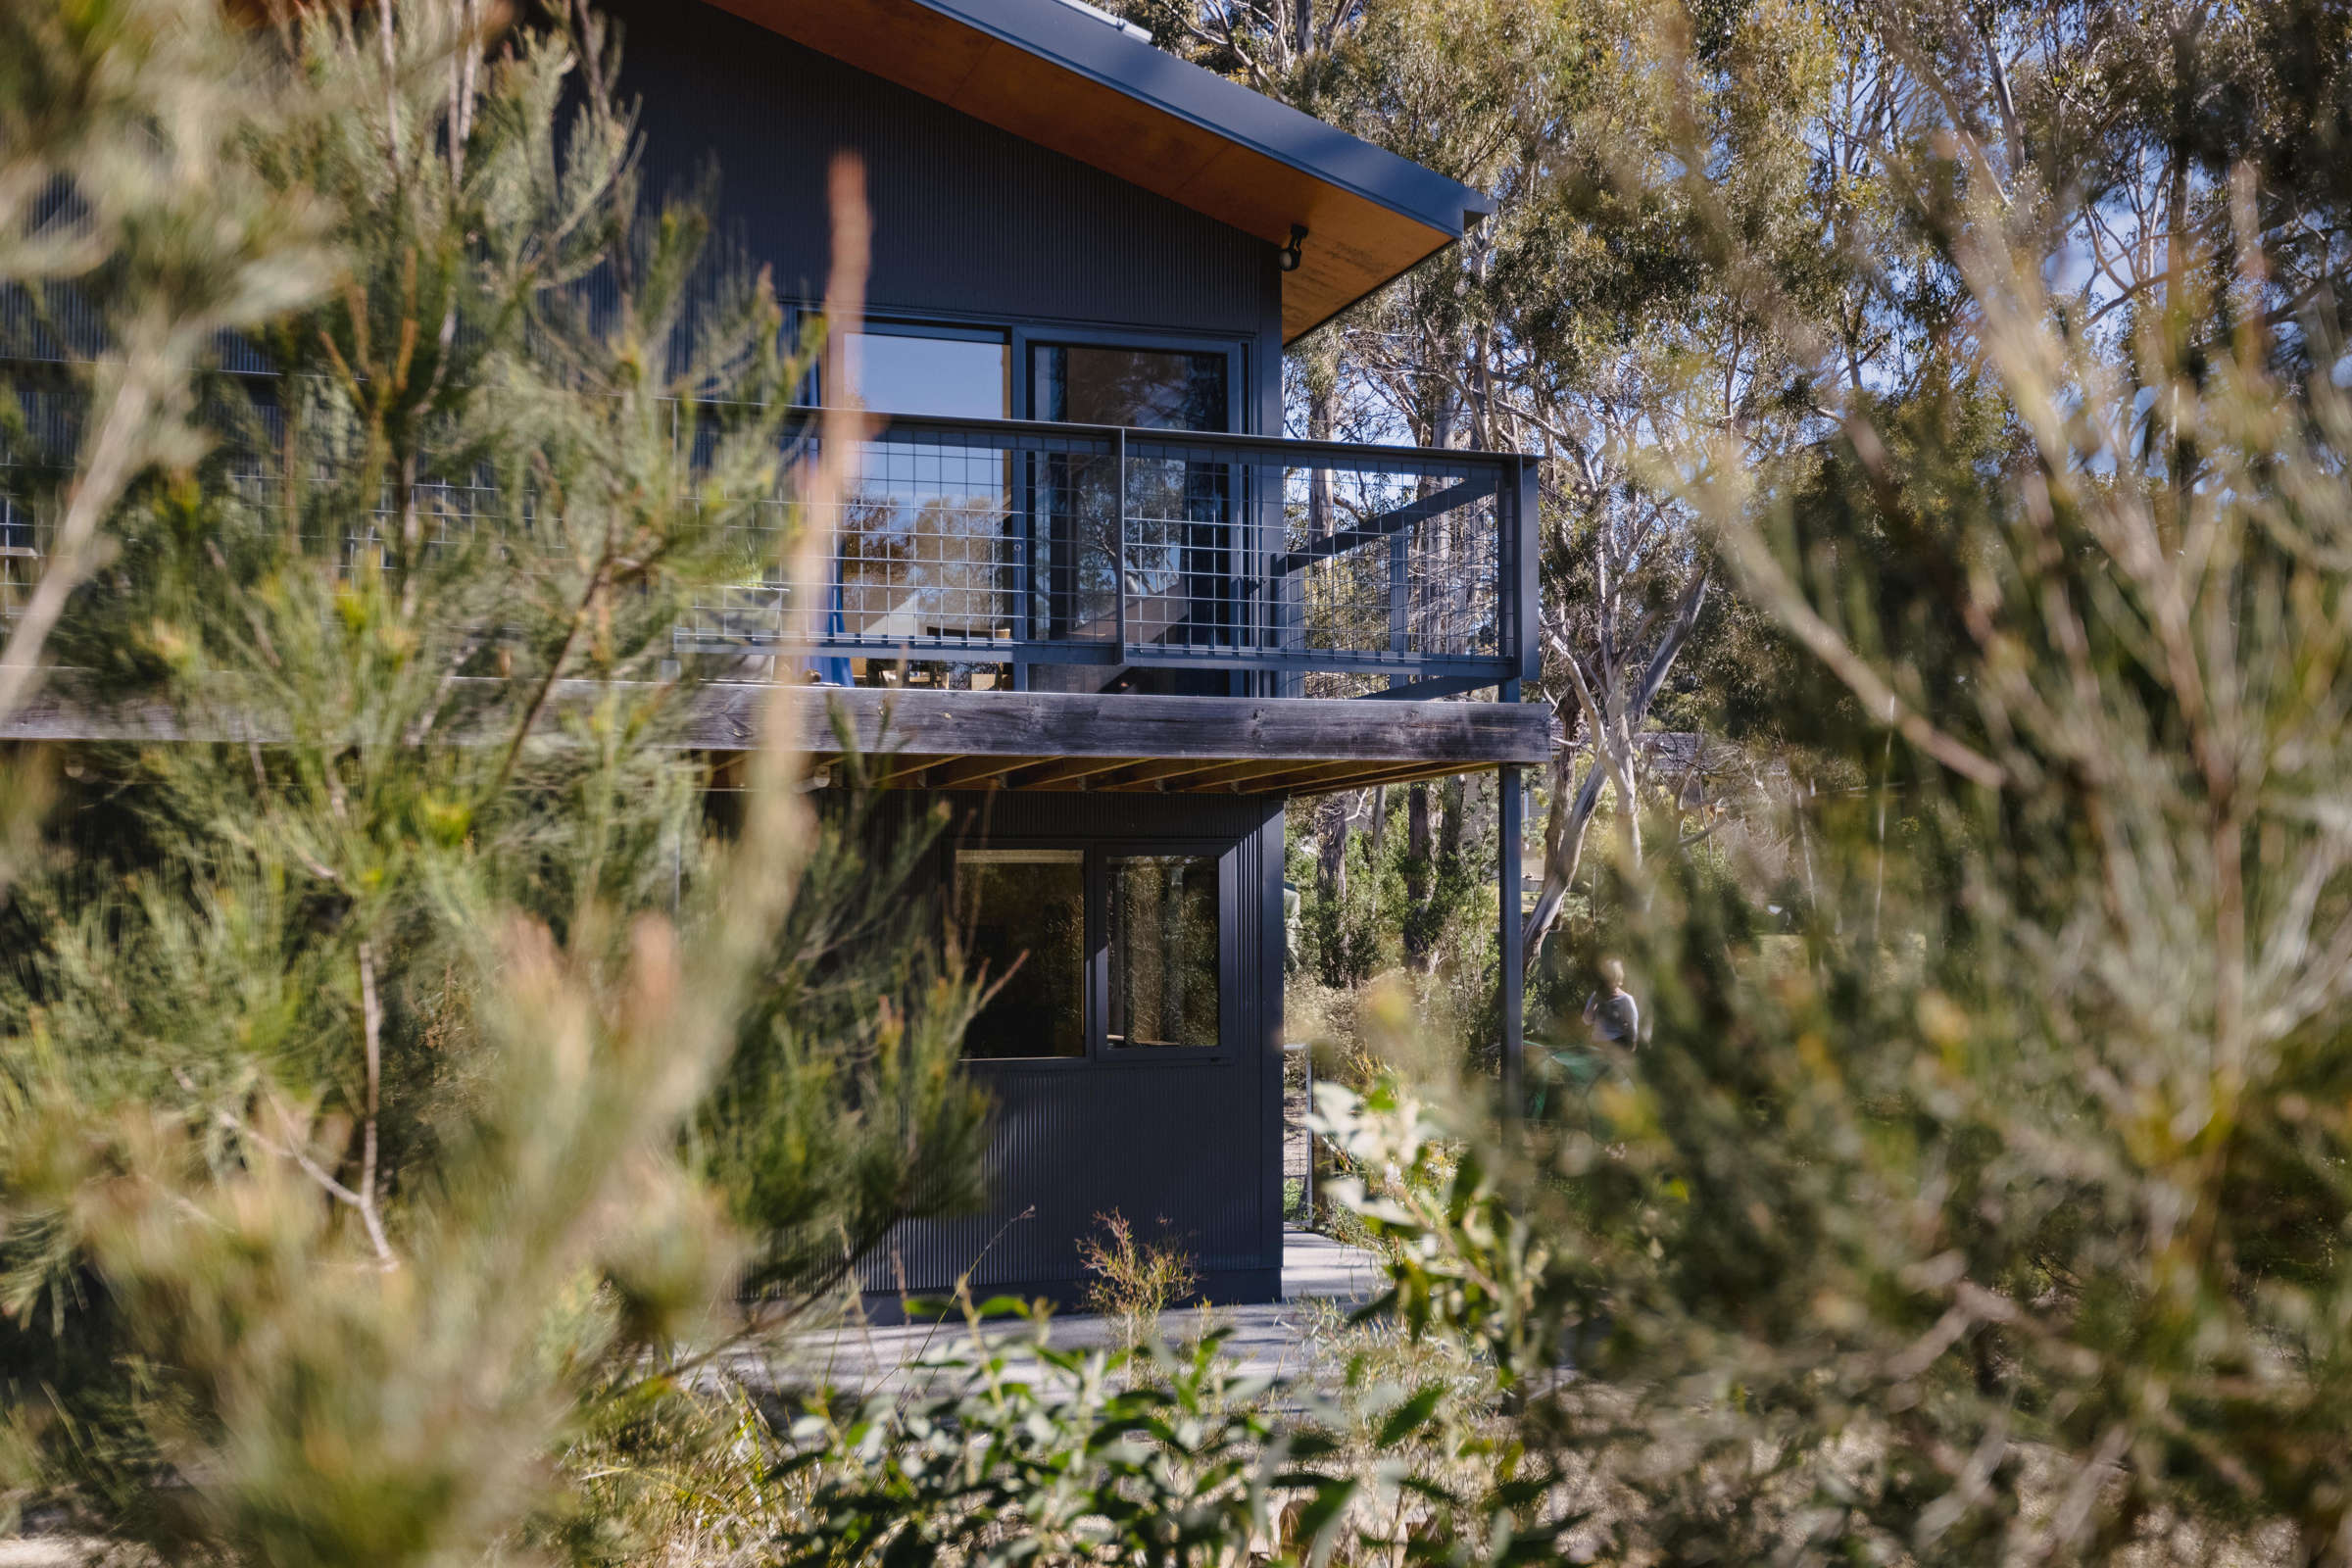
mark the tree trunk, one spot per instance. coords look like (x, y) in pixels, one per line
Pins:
(1563, 846)
(1416, 876)
(1624, 762)
(1321, 394)
(1330, 860)
(1611, 730)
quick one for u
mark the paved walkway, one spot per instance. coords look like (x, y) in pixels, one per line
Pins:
(1267, 1341)
(1270, 1339)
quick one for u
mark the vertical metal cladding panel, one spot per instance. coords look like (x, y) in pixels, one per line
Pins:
(1180, 1148)
(969, 219)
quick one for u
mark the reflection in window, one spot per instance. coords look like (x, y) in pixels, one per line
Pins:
(1149, 389)
(925, 551)
(1026, 907)
(909, 373)
(1163, 950)
(1175, 506)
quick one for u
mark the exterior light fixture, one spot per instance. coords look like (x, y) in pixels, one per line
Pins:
(1290, 252)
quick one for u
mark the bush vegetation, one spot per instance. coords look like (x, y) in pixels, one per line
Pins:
(400, 1076)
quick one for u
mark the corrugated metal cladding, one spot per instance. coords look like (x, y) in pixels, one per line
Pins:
(1188, 1151)
(968, 218)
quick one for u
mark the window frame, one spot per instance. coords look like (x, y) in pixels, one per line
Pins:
(1095, 984)
(1100, 855)
(1027, 341)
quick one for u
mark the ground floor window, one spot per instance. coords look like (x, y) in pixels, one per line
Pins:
(1162, 944)
(1025, 914)
(1109, 951)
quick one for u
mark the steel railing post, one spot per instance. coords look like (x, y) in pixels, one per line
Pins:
(1526, 557)
(1118, 539)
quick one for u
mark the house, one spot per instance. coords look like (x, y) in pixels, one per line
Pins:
(1133, 619)
(1081, 587)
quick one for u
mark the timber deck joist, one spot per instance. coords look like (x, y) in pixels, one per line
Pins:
(986, 738)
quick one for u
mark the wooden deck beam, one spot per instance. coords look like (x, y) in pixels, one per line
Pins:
(1018, 740)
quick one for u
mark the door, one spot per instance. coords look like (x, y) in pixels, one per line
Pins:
(925, 540)
(1156, 531)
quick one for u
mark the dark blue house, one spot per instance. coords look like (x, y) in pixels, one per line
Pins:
(1080, 587)
(1114, 617)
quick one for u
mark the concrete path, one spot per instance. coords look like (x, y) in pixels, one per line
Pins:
(1266, 1341)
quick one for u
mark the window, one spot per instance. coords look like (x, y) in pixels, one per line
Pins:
(1162, 932)
(911, 370)
(1151, 389)
(1172, 509)
(1026, 907)
(923, 539)
(1118, 952)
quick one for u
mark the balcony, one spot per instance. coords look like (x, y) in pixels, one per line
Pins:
(1060, 606)
(1055, 557)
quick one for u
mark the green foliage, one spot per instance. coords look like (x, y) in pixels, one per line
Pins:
(843, 1109)
(381, 1082)
(394, 1074)
(1134, 1281)
(2008, 1218)
(1042, 1454)
(1396, 905)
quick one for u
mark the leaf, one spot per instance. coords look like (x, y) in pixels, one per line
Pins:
(1319, 1521)
(1411, 1416)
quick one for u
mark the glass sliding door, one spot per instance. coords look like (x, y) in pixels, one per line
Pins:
(1176, 509)
(925, 542)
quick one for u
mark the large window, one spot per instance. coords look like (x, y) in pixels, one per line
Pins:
(1026, 913)
(1161, 941)
(1103, 953)
(1174, 507)
(923, 535)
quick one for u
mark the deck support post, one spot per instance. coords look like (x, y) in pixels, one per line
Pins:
(1511, 802)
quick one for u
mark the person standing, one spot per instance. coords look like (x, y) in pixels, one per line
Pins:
(1611, 1012)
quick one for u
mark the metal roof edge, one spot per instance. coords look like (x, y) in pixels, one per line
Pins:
(1149, 75)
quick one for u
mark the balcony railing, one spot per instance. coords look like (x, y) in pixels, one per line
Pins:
(1058, 556)
(1064, 556)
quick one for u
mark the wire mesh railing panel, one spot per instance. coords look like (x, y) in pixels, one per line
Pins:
(1394, 562)
(1024, 547)
(1040, 545)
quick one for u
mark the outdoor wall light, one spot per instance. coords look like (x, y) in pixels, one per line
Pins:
(1290, 252)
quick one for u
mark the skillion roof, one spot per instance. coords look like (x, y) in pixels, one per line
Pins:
(1058, 76)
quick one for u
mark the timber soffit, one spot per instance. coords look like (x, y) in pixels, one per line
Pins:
(1064, 81)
